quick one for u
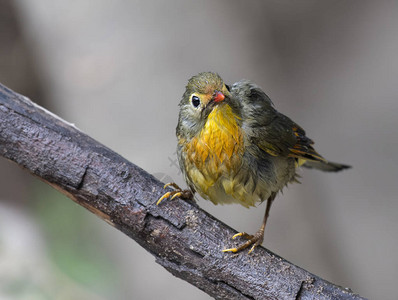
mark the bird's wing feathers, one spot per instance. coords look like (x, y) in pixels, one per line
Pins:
(303, 146)
(270, 130)
(283, 137)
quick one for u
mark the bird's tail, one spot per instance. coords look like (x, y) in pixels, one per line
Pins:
(325, 166)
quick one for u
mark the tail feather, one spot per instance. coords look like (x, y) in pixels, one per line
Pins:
(325, 166)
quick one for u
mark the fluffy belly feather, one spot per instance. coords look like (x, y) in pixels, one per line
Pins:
(214, 162)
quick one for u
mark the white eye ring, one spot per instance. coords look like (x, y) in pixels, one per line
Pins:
(195, 100)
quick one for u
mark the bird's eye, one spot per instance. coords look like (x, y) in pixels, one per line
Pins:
(228, 88)
(195, 101)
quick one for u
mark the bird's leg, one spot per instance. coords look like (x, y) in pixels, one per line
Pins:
(258, 237)
(178, 192)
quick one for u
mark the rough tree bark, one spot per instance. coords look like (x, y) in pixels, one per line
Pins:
(184, 239)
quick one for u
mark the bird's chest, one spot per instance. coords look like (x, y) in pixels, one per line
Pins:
(217, 150)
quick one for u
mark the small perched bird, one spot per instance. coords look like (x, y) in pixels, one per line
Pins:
(235, 147)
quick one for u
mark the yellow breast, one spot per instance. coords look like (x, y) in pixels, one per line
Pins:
(215, 156)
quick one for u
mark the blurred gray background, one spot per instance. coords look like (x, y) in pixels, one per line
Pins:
(117, 69)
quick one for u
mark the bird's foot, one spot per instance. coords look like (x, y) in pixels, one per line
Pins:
(252, 240)
(178, 192)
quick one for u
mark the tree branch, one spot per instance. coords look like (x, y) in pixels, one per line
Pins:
(184, 239)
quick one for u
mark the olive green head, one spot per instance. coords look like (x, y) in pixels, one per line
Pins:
(203, 92)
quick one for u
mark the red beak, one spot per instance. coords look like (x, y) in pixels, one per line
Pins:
(218, 96)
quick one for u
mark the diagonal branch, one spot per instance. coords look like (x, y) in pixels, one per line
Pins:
(184, 239)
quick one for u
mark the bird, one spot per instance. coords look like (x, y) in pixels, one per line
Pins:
(235, 147)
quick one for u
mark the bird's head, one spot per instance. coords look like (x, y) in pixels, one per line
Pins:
(204, 90)
(203, 93)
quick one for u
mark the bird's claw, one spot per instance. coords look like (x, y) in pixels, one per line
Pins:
(230, 250)
(242, 234)
(178, 192)
(174, 185)
(253, 240)
(166, 195)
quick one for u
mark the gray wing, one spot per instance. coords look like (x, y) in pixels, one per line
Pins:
(271, 131)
